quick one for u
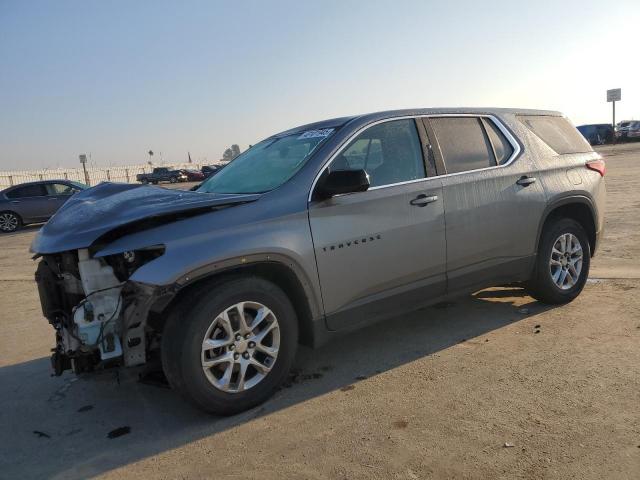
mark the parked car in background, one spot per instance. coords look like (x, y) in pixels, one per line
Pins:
(597, 133)
(34, 202)
(162, 174)
(193, 175)
(634, 131)
(211, 170)
(627, 130)
(314, 232)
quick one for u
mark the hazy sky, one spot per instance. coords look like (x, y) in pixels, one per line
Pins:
(117, 78)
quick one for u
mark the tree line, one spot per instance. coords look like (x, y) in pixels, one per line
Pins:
(230, 153)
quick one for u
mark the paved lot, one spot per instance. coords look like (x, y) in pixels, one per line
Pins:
(435, 395)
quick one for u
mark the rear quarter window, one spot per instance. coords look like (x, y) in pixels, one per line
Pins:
(501, 146)
(557, 132)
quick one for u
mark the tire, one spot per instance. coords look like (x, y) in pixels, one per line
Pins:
(549, 284)
(145, 181)
(10, 222)
(198, 316)
(173, 180)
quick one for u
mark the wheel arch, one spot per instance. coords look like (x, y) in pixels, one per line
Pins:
(577, 207)
(280, 271)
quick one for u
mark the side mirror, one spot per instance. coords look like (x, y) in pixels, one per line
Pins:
(343, 181)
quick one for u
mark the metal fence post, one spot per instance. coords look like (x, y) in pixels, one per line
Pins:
(108, 175)
(11, 180)
(126, 172)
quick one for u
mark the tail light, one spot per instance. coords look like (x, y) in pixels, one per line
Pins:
(597, 166)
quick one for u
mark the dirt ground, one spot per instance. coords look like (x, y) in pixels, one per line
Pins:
(439, 394)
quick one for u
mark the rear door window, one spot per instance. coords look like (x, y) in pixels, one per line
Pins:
(27, 191)
(463, 143)
(557, 132)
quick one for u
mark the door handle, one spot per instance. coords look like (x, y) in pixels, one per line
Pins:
(15, 202)
(526, 181)
(423, 200)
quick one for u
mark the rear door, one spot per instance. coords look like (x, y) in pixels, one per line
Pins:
(29, 201)
(381, 252)
(492, 200)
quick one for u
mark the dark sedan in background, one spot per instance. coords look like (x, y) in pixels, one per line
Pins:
(193, 175)
(34, 202)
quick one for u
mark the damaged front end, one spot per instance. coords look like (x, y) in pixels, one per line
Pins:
(100, 317)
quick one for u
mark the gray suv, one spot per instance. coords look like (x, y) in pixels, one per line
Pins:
(313, 232)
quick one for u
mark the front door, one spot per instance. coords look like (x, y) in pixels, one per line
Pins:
(382, 252)
(57, 195)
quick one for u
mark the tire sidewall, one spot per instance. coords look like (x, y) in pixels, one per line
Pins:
(194, 382)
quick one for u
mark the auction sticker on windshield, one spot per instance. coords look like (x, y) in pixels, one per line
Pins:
(325, 132)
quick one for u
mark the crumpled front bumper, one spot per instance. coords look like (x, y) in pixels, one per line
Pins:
(59, 301)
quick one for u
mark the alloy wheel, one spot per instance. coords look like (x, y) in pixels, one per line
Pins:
(8, 222)
(240, 347)
(565, 264)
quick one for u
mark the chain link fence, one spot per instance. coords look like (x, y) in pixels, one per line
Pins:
(126, 174)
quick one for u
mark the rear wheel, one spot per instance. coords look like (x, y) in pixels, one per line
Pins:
(145, 181)
(9, 222)
(227, 349)
(562, 263)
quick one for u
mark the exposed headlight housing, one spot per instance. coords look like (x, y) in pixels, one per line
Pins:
(127, 262)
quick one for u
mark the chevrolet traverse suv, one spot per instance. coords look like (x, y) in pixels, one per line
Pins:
(313, 232)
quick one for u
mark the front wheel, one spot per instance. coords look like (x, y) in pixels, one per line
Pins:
(562, 263)
(173, 180)
(227, 349)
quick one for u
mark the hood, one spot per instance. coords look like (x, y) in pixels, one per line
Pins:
(93, 213)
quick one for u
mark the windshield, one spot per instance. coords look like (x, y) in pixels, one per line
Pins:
(267, 165)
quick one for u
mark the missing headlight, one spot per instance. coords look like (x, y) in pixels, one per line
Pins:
(125, 263)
